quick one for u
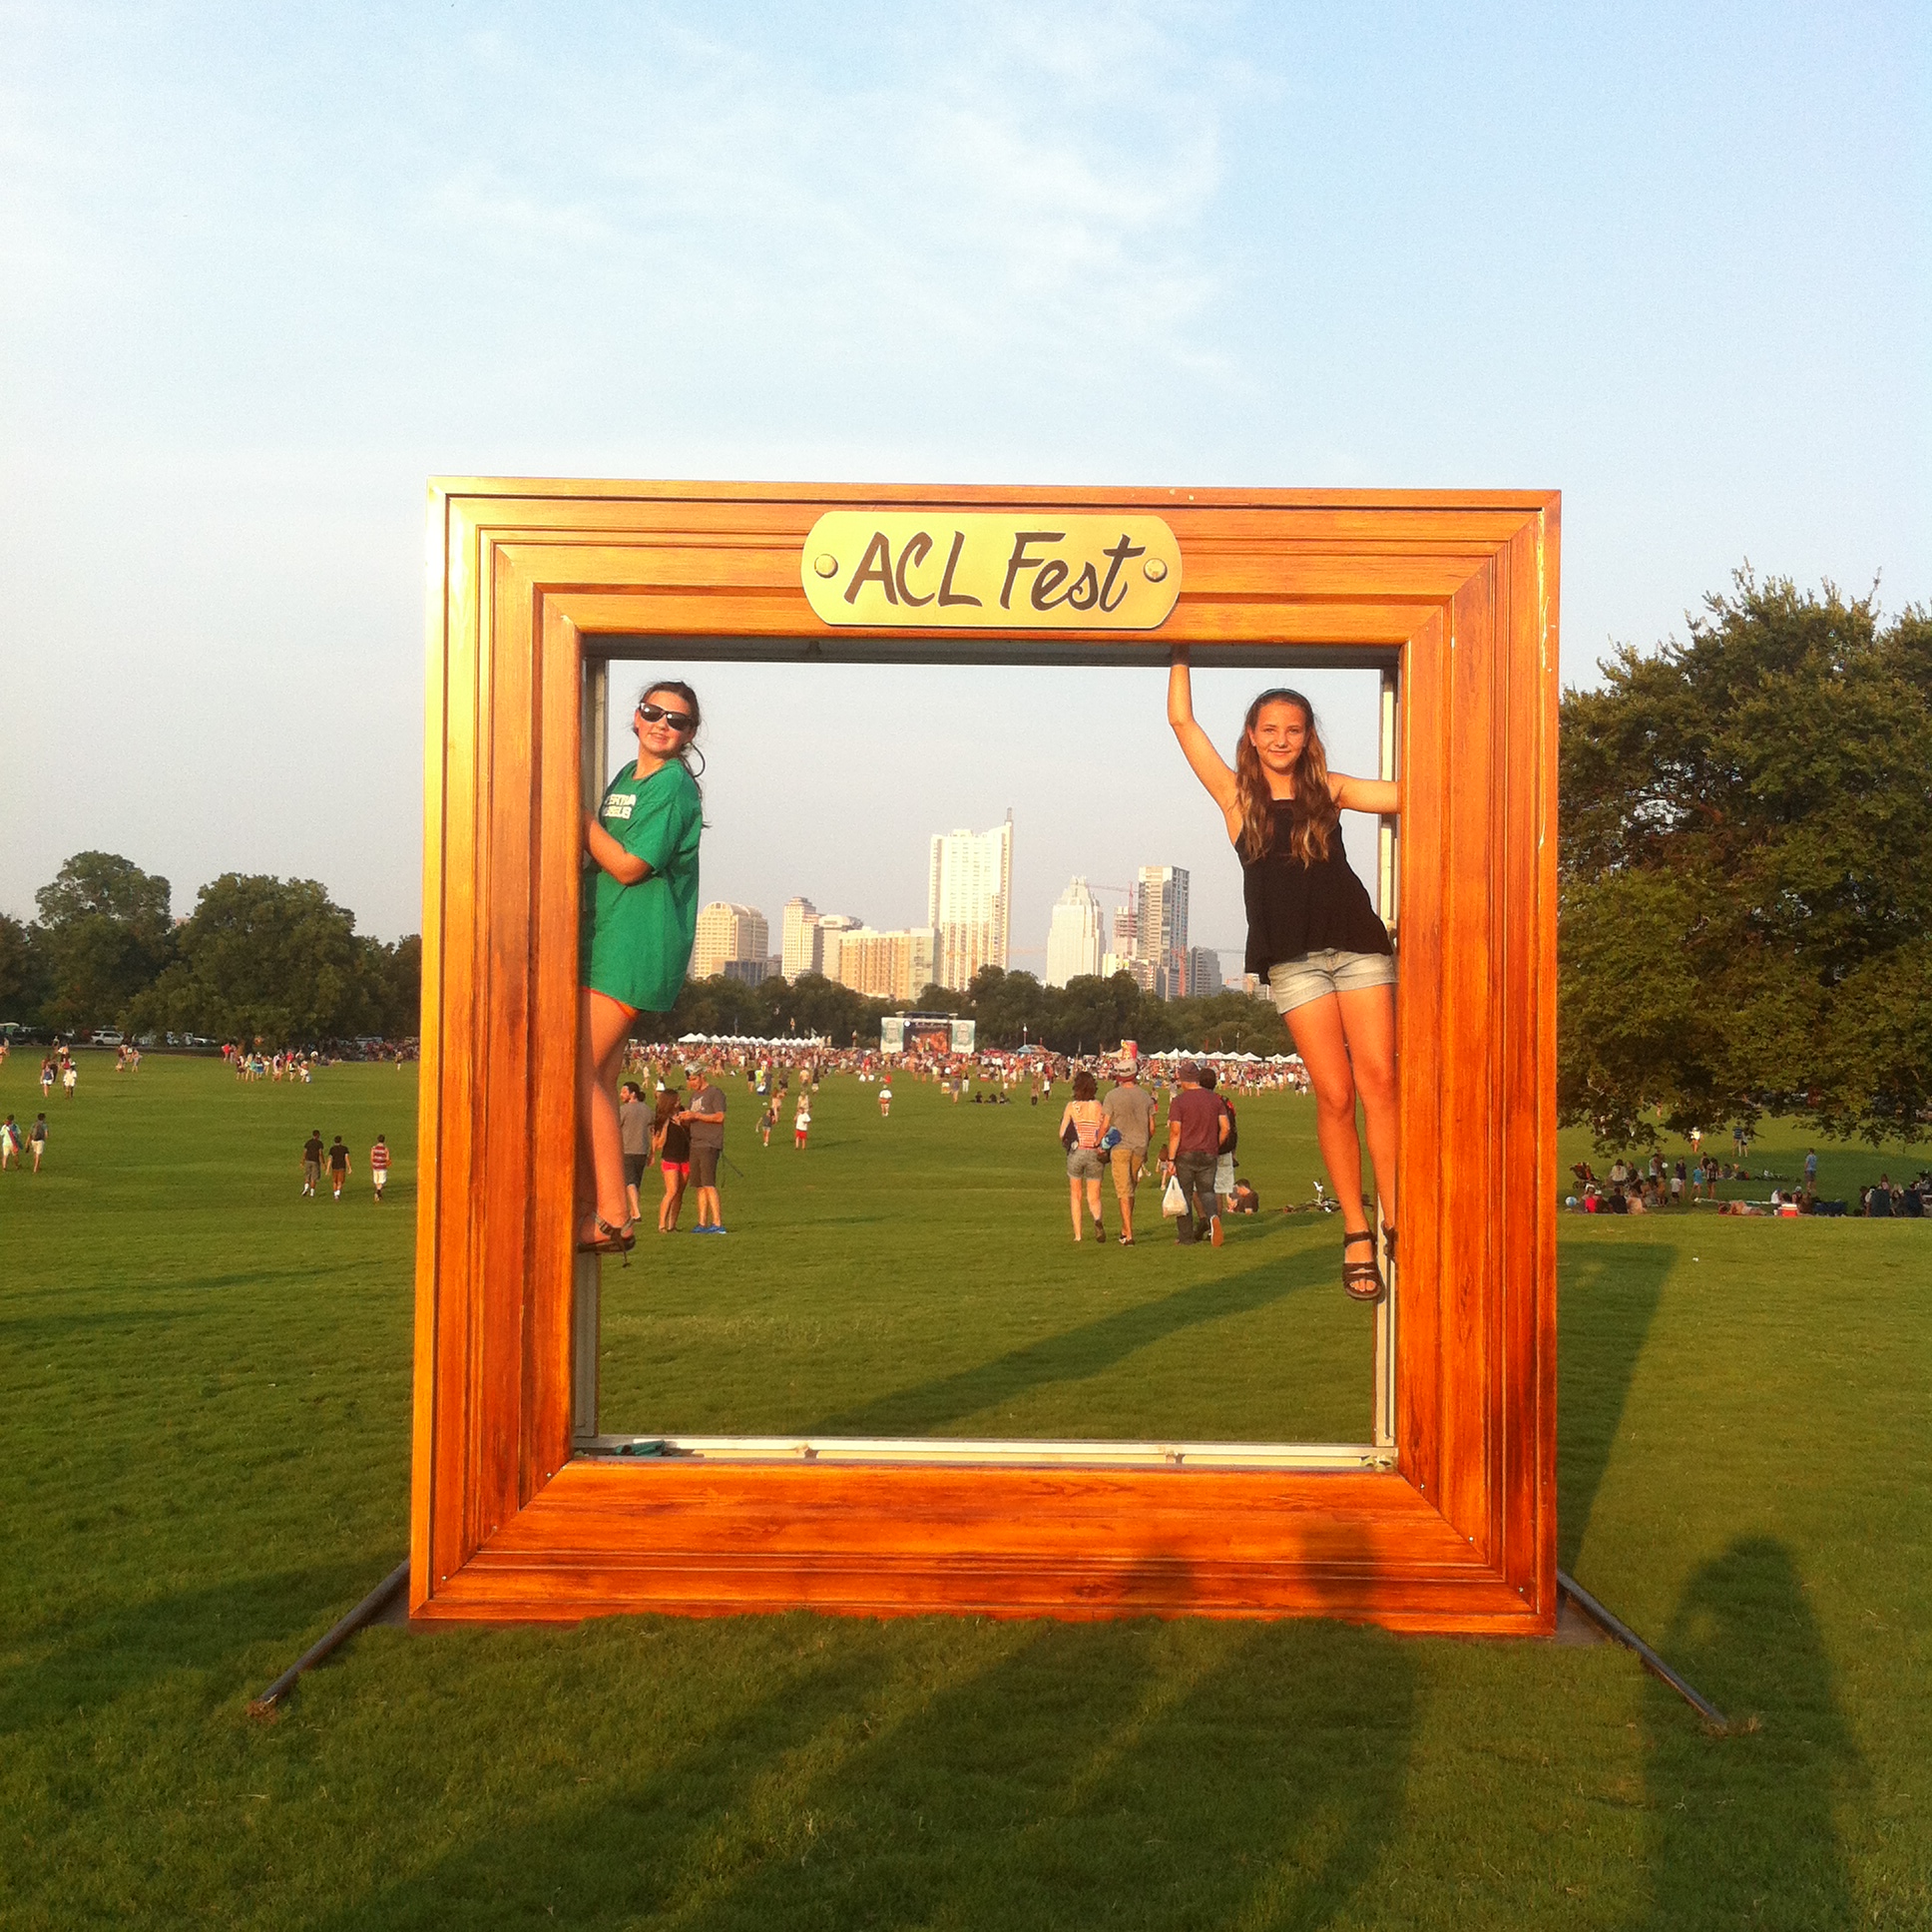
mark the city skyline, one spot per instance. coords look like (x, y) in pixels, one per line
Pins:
(1146, 935)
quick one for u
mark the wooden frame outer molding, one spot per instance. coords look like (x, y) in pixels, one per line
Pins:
(1459, 1536)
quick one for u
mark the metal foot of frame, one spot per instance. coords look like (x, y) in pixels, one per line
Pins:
(1620, 1631)
(366, 1611)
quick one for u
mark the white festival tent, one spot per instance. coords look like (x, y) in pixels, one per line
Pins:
(752, 1040)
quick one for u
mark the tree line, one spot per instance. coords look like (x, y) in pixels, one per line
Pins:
(258, 958)
(1086, 1015)
(1745, 909)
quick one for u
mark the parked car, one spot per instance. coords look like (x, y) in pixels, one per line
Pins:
(109, 1037)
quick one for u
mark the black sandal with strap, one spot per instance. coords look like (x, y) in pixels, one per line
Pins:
(1362, 1279)
(610, 1240)
(1388, 1246)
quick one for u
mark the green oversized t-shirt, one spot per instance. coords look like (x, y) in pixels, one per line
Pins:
(637, 938)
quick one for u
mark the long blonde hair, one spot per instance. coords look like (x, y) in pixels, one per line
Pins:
(1312, 811)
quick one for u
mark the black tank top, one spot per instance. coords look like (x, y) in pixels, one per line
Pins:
(1295, 908)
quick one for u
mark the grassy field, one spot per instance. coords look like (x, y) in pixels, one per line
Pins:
(204, 1392)
(918, 1275)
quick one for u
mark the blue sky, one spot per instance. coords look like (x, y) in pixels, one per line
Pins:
(268, 268)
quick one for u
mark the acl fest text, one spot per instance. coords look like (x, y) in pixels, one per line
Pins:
(982, 570)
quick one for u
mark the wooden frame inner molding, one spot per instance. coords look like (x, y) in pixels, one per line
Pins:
(1456, 593)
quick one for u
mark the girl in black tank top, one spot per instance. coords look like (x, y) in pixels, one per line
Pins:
(1313, 933)
(1296, 907)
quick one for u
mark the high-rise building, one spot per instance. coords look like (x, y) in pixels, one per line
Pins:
(1204, 973)
(752, 972)
(799, 942)
(1073, 940)
(1160, 928)
(967, 902)
(886, 965)
(833, 927)
(727, 932)
(1120, 927)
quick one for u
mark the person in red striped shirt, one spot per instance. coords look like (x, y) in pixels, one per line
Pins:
(380, 1166)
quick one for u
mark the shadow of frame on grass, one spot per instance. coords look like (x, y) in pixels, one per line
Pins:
(1074, 1355)
(1608, 1298)
(1038, 1774)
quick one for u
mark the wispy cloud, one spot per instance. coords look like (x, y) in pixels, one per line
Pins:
(1002, 185)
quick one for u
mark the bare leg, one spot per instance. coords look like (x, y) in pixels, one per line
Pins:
(1073, 1195)
(602, 1025)
(1092, 1206)
(1368, 1023)
(1323, 1047)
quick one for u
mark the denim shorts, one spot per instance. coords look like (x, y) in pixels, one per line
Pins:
(1085, 1164)
(1297, 982)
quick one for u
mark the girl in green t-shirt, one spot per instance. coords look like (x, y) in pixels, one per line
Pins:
(640, 901)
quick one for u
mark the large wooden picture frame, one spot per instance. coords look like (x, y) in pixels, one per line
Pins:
(1458, 591)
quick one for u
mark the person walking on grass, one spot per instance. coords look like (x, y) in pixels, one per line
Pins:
(1196, 1129)
(705, 1119)
(37, 1138)
(640, 905)
(338, 1164)
(801, 1117)
(1312, 933)
(1129, 1112)
(47, 1077)
(885, 1098)
(9, 1145)
(1081, 1123)
(69, 1078)
(1224, 1159)
(634, 1124)
(379, 1167)
(311, 1163)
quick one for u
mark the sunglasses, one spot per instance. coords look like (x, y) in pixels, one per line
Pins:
(656, 714)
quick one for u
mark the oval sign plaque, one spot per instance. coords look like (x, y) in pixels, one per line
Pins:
(973, 570)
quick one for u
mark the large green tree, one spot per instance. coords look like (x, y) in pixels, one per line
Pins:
(23, 971)
(270, 959)
(399, 973)
(104, 936)
(1745, 911)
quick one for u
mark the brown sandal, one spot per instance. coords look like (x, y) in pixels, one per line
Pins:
(1362, 1279)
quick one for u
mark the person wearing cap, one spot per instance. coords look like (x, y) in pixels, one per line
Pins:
(1129, 1111)
(1197, 1128)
